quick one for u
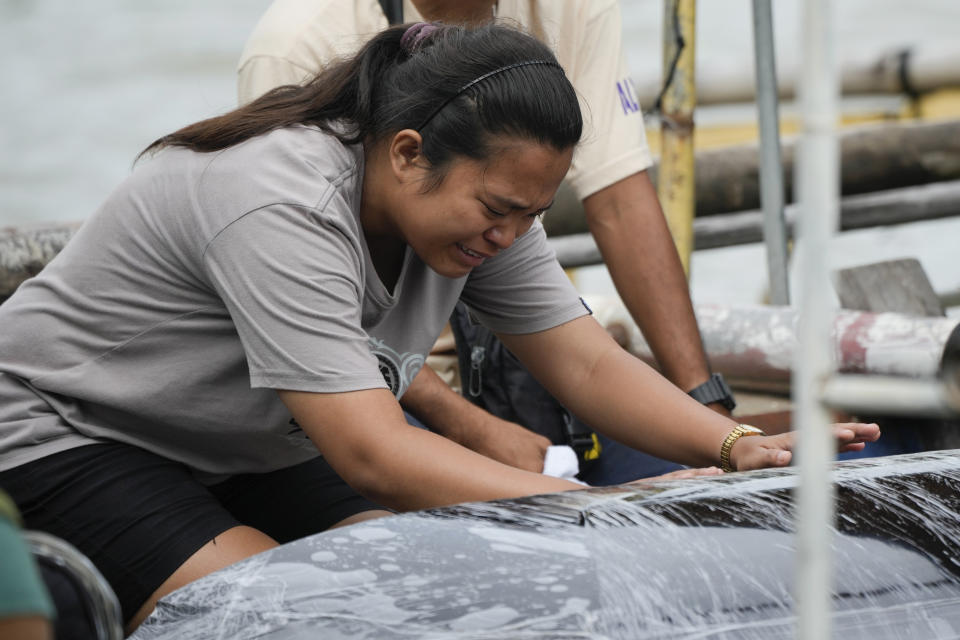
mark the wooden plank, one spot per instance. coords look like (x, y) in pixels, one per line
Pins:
(900, 286)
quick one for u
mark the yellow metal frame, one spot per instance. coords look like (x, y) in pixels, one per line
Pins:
(675, 182)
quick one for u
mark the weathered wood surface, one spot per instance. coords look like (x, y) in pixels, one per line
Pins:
(873, 159)
(900, 286)
(24, 252)
(896, 206)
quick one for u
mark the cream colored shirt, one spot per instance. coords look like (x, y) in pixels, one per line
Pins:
(296, 38)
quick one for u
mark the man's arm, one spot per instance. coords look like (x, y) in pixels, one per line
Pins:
(626, 220)
(454, 417)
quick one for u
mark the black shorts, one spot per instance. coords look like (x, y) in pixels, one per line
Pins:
(139, 516)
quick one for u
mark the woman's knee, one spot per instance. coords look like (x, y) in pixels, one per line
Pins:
(363, 516)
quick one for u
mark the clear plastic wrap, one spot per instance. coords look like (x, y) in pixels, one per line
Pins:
(704, 558)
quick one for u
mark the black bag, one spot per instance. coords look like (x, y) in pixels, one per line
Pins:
(494, 379)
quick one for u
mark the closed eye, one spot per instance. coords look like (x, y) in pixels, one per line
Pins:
(492, 210)
(540, 214)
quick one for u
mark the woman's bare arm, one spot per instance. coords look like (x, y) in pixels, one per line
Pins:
(365, 438)
(622, 397)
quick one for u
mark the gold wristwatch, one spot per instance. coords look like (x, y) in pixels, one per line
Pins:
(739, 431)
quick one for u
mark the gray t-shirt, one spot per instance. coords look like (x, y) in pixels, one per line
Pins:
(206, 281)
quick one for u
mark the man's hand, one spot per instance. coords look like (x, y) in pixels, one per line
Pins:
(452, 416)
(504, 441)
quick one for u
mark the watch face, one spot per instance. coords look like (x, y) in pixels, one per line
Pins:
(752, 429)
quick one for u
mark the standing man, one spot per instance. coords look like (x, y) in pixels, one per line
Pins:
(296, 38)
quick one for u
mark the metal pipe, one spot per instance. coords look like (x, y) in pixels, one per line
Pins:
(771, 164)
(891, 396)
(675, 186)
(818, 179)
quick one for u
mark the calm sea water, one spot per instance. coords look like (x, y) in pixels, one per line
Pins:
(86, 85)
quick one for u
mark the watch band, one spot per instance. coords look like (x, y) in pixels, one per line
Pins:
(738, 432)
(715, 389)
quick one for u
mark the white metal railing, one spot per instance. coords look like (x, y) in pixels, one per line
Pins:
(892, 395)
(818, 174)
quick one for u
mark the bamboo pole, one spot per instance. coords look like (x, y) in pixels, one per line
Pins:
(675, 186)
(875, 158)
(897, 206)
(904, 71)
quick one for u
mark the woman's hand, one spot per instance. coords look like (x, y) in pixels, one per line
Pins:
(777, 451)
(681, 474)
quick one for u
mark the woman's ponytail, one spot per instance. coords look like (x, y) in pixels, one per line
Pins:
(459, 86)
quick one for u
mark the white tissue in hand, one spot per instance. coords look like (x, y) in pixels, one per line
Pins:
(561, 462)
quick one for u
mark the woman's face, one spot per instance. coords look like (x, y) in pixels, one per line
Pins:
(481, 206)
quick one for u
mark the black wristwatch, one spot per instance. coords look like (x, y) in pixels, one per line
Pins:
(714, 390)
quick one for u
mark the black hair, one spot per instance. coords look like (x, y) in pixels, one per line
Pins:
(391, 84)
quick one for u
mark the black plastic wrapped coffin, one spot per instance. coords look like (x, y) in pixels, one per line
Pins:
(704, 558)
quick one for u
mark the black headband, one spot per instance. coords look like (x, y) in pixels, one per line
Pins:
(526, 63)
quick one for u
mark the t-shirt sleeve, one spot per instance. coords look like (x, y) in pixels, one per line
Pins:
(614, 143)
(295, 40)
(292, 281)
(523, 289)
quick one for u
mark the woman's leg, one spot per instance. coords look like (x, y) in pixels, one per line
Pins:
(294, 501)
(230, 546)
(141, 519)
(150, 527)
(363, 516)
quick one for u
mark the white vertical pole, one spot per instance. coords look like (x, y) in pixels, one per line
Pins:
(818, 190)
